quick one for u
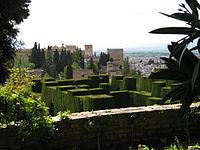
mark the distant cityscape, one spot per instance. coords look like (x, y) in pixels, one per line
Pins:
(143, 62)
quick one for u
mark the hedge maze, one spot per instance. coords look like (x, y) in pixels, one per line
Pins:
(98, 92)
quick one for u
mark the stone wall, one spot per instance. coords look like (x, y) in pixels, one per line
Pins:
(114, 129)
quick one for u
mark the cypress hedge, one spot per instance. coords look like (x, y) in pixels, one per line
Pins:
(138, 98)
(97, 102)
(115, 82)
(105, 87)
(120, 98)
(129, 83)
(156, 88)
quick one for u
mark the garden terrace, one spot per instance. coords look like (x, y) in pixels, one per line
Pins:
(77, 95)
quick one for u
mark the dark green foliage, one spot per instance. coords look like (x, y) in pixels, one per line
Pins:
(66, 82)
(144, 84)
(97, 102)
(78, 58)
(12, 13)
(93, 66)
(65, 88)
(56, 60)
(139, 98)
(153, 100)
(104, 58)
(79, 92)
(183, 65)
(83, 81)
(37, 56)
(96, 91)
(156, 88)
(120, 98)
(105, 87)
(37, 87)
(115, 82)
(49, 66)
(129, 83)
(69, 72)
(82, 86)
(104, 78)
(126, 67)
(95, 80)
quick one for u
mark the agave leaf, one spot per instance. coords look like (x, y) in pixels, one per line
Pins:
(174, 30)
(180, 16)
(182, 53)
(177, 91)
(195, 75)
(169, 74)
(170, 63)
(193, 5)
(188, 100)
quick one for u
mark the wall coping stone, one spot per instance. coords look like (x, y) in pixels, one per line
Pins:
(128, 110)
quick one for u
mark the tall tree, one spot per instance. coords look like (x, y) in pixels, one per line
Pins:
(56, 60)
(126, 67)
(77, 57)
(12, 13)
(103, 59)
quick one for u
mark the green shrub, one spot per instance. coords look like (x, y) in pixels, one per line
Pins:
(65, 82)
(120, 98)
(144, 84)
(104, 78)
(105, 87)
(97, 102)
(95, 80)
(21, 109)
(129, 83)
(115, 82)
(156, 88)
(138, 98)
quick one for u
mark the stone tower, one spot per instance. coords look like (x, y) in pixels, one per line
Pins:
(116, 55)
(89, 50)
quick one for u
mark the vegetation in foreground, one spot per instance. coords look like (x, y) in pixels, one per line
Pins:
(183, 65)
(20, 108)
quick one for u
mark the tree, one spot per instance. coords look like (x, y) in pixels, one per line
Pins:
(12, 13)
(183, 65)
(56, 60)
(78, 58)
(49, 65)
(68, 72)
(103, 59)
(126, 66)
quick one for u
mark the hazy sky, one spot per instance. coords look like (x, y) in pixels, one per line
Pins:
(103, 23)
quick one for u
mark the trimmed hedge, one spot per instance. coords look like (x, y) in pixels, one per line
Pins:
(104, 78)
(96, 91)
(95, 80)
(97, 102)
(145, 84)
(129, 83)
(153, 100)
(105, 87)
(138, 98)
(83, 81)
(156, 88)
(66, 82)
(115, 82)
(120, 98)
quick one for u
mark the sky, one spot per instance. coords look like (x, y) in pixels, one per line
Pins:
(102, 23)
